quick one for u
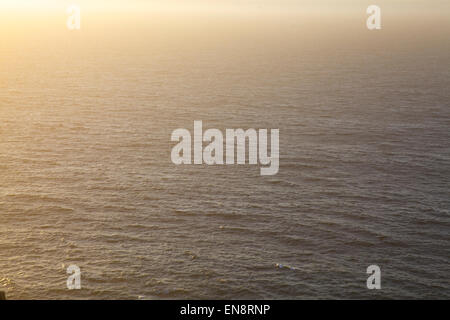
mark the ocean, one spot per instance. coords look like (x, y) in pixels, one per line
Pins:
(86, 176)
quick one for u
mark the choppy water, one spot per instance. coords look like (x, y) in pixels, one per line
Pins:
(86, 176)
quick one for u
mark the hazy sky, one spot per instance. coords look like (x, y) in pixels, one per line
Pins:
(19, 14)
(256, 4)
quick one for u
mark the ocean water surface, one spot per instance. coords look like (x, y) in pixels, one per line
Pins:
(86, 176)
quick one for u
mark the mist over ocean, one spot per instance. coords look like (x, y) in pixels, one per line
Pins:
(86, 176)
